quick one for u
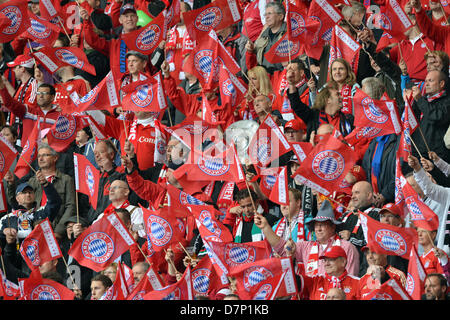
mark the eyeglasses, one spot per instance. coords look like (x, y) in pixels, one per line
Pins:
(114, 188)
(44, 155)
(40, 93)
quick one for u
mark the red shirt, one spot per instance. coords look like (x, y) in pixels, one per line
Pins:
(431, 263)
(318, 287)
(63, 90)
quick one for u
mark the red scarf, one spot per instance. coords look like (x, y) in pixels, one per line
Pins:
(110, 209)
(435, 96)
(335, 282)
(312, 265)
(346, 94)
(279, 230)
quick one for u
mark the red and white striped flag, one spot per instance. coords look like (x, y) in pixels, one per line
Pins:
(87, 178)
(150, 282)
(342, 45)
(181, 290)
(416, 276)
(7, 156)
(390, 290)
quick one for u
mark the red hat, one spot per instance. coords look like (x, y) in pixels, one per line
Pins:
(295, 124)
(22, 60)
(334, 252)
(392, 208)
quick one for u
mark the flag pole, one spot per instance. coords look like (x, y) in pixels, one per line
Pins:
(20, 156)
(415, 146)
(76, 202)
(184, 249)
(423, 137)
(70, 274)
(148, 261)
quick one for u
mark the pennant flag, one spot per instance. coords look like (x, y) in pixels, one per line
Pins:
(380, 114)
(284, 50)
(421, 215)
(17, 13)
(64, 131)
(267, 289)
(385, 41)
(206, 60)
(327, 16)
(326, 166)
(104, 96)
(416, 276)
(208, 224)
(393, 20)
(390, 290)
(161, 228)
(41, 31)
(150, 282)
(172, 14)
(301, 149)
(400, 181)
(40, 246)
(216, 15)
(251, 274)
(410, 124)
(224, 166)
(342, 45)
(298, 24)
(102, 243)
(179, 201)
(181, 290)
(204, 277)
(48, 10)
(232, 89)
(119, 289)
(55, 58)
(8, 290)
(29, 151)
(386, 239)
(146, 39)
(280, 191)
(3, 201)
(38, 288)
(362, 134)
(146, 95)
(87, 178)
(268, 143)
(7, 156)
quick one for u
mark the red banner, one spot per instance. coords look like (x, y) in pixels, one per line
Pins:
(87, 178)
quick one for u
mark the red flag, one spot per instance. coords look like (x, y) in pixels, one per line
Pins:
(299, 26)
(40, 246)
(410, 124)
(326, 166)
(64, 131)
(119, 289)
(360, 134)
(204, 277)
(267, 289)
(385, 41)
(206, 166)
(327, 16)
(146, 39)
(7, 156)
(41, 31)
(421, 215)
(102, 243)
(181, 290)
(48, 10)
(17, 13)
(399, 182)
(172, 14)
(280, 191)
(268, 143)
(104, 96)
(232, 89)
(216, 15)
(386, 239)
(372, 113)
(55, 58)
(38, 288)
(301, 149)
(284, 50)
(342, 45)
(208, 224)
(29, 151)
(9, 290)
(146, 95)
(390, 290)
(150, 282)
(3, 203)
(416, 276)
(162, 228)
(179, 201)
(251, 274)
(87, 178)
(207, 58)
(393, 20)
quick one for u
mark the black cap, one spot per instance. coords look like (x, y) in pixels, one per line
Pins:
(76, 219)
(22, 187)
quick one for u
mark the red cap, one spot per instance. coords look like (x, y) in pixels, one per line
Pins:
(392, 208)
(22, 60)
(334, 252)
(295, 124)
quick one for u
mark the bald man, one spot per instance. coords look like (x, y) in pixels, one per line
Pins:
(362, 200)
(336, 294)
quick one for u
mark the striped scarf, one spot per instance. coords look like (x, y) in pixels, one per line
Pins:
(312, 265)
(257, 234)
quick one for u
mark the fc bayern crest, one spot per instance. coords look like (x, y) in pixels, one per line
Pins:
(38, 30)
(297, 24)
(410, 285)
(66, 126)
(326, 36)
(213, 166)
(236, 255)
(142, 96)
(174, 295)
(269, 181)
(89, 175)
(2, 162)
(208, 19)
(45, 292)
(90, 97)
(32, 252)
(159, 229)
(315, 37)
(254, 275)
(287, 47)
(97, 247)
(328, 165)
(203, 62)
(209, 223)
(148, 38)
(187, 199)
(367, 132)
(264, 292)
(262, 150)
(229, 90)
(372, 112)
(15, 15)
(382, 296)
(391, 241)
(69, 58)
(382, 21)
(195, 129)
(200, 280)
(334, 53)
